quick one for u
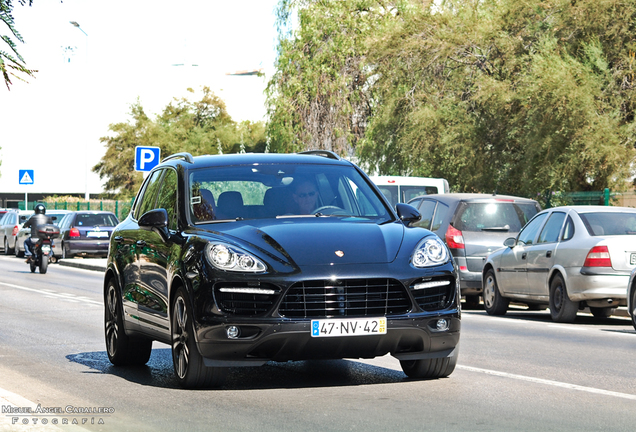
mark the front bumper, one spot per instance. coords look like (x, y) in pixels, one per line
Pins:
(408, 338)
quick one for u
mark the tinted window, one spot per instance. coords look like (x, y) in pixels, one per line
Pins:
(552, 228)
(410, 192)
(496, 216)
(529, 232)
(168, 198)
(99, 219)
(609, 223)
(391, 194)
(440, 215)
(427, 210)
(149, 198)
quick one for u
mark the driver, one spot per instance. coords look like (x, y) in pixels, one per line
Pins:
(304, 196)
(38, 218)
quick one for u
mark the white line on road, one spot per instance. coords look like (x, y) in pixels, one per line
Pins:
(49, 293)
(549, 382)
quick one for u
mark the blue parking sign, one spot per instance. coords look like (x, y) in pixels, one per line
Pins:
(146, 158)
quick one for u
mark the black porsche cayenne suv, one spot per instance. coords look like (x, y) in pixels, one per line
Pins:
(237, 260)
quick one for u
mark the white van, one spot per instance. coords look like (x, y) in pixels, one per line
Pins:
(403, 189)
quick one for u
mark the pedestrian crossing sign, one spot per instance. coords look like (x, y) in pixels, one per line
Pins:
(25, 177)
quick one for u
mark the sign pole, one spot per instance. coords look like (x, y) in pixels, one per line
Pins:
(26, 202)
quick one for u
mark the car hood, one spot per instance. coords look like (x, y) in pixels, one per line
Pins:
(320, 241)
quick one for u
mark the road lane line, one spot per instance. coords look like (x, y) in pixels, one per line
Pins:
(48, 293)
(549, 382)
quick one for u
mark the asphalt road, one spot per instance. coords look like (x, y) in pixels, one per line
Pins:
(518, 372)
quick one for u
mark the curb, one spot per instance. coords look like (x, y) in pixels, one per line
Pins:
(84, 264)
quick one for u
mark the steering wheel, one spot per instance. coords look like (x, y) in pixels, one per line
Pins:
(330, 210)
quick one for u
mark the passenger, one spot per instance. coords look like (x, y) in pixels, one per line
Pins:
(304, 196)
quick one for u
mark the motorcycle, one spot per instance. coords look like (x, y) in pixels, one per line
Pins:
(43, 250)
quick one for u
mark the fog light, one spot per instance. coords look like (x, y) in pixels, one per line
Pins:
(233, 332)
(442, 324)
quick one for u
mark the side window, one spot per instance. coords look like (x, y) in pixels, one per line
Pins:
(440, 214)
(529, 232)
(568, 231)
(427, 210)
(552, 228)
(149, 197)
(168, 198)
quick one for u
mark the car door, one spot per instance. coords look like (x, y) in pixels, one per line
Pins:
(541, 255)
(512, 272)
(155, 255)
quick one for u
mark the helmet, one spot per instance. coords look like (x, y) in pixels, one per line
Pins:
(40, 209)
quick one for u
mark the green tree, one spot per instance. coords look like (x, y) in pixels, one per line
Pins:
(518, 97)
(200, 127)
(11, 62)
(318, 97)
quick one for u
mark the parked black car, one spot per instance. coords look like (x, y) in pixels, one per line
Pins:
(473, 226)
(219, 259)
(85, 233)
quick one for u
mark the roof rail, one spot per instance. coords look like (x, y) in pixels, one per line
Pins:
(324, 153)
(185, 156)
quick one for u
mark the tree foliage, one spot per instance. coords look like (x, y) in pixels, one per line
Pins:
(507, 95)
(11, 62)
(318, 98)
(198, 127)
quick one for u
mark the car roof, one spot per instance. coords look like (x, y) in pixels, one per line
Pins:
(593, 209)
(234, 159)
(474, 197)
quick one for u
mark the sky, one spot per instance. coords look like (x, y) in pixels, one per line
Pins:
(123, 51)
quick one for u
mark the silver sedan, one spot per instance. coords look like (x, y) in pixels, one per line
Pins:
(566, 258)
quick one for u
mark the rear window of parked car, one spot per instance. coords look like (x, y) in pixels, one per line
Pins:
(608, 223)
(96, 220)
(508, 216)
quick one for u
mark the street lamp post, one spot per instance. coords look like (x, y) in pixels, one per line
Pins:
(86, 193)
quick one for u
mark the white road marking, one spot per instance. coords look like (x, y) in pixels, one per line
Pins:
(53, 294)
(549, 382)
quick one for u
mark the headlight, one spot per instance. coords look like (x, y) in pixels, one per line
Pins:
(230, 258)
(429, 252)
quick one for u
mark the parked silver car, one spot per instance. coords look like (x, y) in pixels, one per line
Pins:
(10, 225)
(24, 233)
(565, 258)
(631, 296)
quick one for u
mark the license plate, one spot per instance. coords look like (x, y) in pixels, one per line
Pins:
(632, 259)
(348, 327)
(97, 234)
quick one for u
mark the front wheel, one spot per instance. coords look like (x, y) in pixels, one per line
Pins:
(188, 362)
(6, 247)
(633, 311)
(562, 309)
(494, 302)
(430, 368)
(122, 350)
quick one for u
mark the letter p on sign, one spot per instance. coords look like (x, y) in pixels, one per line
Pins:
(146, 158)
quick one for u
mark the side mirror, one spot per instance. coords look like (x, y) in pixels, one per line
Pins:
(156, 219)
(510, 242)
(407, 213)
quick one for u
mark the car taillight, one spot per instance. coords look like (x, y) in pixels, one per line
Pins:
(74, 232)
(15, 231)
(598, 256)
(454, 238)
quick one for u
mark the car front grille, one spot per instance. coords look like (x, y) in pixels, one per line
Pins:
(347, 298)
(434, 293)
(245, 300)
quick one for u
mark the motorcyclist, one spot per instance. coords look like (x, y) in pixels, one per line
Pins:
(37, 219)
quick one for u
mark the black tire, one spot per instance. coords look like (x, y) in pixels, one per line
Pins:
(44, 264)
(6, 251)
(430, 368)
(188, 363)
(65, 255)
(633, 311)
(562, 309)
(122, 350)
(601, 313)
(18, 253)
(32, 264)
(494, 302)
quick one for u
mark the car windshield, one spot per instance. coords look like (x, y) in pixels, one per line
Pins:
(91, 220)
(282, 190)
(494, 216)
(609, 223)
